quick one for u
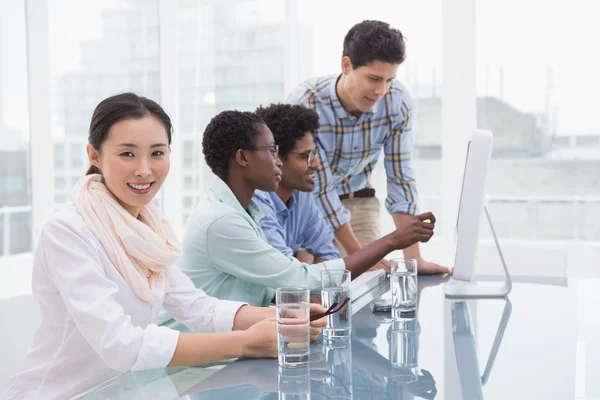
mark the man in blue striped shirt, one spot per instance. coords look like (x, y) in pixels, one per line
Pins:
(292, 223)
(361, 111)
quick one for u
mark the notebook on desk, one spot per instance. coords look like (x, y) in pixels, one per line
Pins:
(366, 282)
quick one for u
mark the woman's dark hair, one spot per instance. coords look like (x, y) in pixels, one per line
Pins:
(370, 41)
(225, 134)
(289, 123)
(118, 108)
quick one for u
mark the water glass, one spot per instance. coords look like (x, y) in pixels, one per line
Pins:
(335, 291)
(294, 383)
(403, 282)
(404, 350)
(293, 326)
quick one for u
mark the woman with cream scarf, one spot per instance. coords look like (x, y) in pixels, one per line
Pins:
(105, 265)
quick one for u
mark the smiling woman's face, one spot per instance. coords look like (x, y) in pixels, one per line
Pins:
(134, 160)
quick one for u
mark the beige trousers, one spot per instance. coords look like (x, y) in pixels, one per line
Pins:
(364, 220)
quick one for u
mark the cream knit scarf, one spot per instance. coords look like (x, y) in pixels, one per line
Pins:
(141, 249)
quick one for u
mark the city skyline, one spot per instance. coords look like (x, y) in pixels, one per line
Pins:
(524, 82)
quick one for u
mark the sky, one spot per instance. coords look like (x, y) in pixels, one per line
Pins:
(523, 39)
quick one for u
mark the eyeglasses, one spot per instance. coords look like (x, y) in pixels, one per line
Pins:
(331, 310)
(309, 156)
(273, 149)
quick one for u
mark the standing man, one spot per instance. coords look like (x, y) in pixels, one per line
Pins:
(361, 111)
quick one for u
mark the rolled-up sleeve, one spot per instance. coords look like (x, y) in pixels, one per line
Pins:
(236, 249)
(158, 347)
(402, 190)
(197, 310)
(89, 297)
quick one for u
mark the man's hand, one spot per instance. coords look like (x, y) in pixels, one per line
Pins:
(305, 257)
(411, 229)
(431, 268)
(383, 264)
(402, 220)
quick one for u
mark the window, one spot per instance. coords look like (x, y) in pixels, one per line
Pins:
(188, 182)
(188, 153)
(60, 183)
(60, 199)
(188, 202)
(218, 61)
(59, 156)
(76, 156)
(15, 173)
(542, 109)
(90, 59)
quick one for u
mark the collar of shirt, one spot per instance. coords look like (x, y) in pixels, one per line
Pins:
(220, 189)
(340, 112)
(280, 206)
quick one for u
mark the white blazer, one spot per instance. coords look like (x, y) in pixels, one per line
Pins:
(93, 326)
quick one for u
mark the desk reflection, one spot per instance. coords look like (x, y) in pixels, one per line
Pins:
(355, 369)
(350, 370)
(465, 348)
(294, 383)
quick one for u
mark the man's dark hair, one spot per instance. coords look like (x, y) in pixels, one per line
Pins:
(370, 41)
(289, 123)
(225, 134)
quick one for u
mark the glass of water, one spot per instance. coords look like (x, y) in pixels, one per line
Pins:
(335, 292)
(404, 349)
(293, 326)
(403, 282)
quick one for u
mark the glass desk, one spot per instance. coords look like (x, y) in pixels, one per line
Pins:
(543, 342)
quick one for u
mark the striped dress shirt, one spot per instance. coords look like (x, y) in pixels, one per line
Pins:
(349, 147)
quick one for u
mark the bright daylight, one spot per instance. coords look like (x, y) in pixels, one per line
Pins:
(299, 199)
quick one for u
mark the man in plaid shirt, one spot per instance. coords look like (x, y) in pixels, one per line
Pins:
(361, 111)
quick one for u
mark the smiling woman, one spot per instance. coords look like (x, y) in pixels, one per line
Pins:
(105, 265)
(131, 155)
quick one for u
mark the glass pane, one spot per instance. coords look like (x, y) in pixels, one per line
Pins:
(538, 92)
(15, 172)
(231, 56)
(321, 38)
(97, 49)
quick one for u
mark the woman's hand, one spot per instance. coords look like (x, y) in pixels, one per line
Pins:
(260, 340)
(317, 326)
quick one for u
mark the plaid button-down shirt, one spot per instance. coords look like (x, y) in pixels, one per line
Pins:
(349, 147)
